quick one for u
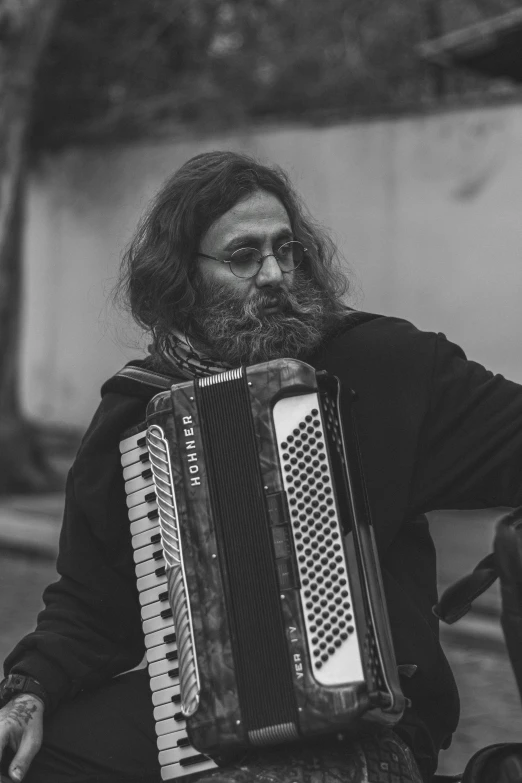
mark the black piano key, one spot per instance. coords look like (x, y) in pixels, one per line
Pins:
(173, 673)
(172, 655)
(166, 613)
(156, 538)
(144, 457)
(150, 498)
(163, 596)
(154, 514)
(142, 441)
(160, 571)
(170, 637)
(176, 699)
(147, 474)
(188, 760)
(184, 742)
(158, 554)
(179, 717)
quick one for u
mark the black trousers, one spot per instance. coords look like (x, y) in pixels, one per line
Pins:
(107, 736)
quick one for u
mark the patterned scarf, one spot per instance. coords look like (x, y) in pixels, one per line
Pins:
(181, 355)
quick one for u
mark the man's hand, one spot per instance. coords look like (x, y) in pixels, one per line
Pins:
(21, 729)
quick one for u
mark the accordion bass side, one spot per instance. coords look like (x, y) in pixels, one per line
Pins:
(274, 623)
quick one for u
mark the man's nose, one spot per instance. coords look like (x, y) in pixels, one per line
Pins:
(269, 273)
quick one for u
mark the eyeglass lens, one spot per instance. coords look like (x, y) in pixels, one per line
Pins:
(245, 262)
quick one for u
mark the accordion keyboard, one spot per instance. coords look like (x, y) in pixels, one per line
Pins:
(177, 757)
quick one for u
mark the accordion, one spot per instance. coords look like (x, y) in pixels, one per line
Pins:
(260, 589)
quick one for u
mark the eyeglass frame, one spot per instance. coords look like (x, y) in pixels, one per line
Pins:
(261, 259)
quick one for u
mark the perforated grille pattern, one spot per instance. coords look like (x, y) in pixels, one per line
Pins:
(325, 588)
(374, 671)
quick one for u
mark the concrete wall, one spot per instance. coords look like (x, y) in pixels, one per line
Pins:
(425, 209)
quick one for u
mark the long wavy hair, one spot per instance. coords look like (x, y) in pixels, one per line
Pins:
(158, 273)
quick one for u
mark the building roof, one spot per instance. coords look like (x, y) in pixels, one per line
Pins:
(492, 47)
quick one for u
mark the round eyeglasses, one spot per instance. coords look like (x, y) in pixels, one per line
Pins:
(246, 261)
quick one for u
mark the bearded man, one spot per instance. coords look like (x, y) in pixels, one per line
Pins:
(227, 268)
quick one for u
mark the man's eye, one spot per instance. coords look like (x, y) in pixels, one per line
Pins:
(244, 255)
(285, 250)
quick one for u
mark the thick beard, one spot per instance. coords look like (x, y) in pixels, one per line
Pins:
(236, 332)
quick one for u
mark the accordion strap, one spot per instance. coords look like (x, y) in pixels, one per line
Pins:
(136, 381)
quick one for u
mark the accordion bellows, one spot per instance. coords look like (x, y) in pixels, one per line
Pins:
(273, 588)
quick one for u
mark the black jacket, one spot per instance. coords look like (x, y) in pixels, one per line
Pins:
(436, 431)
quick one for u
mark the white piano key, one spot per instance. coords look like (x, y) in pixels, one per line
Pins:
(133, 442)
(140, 496)
(153, 595)
(153, 609)
(162, 666)
(157, 623)
(174, 755)
(168, 711)
(173, 771)
(150, 581)
(165, 695)
(165, 726)
(162, 681)
(134, 455)
(149, 566)
(147, 521)
(145, 538)
(140, 482)
(158, 637)
(136, 469)
(160, 651)
(146, 552)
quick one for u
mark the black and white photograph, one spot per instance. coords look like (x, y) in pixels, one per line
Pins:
(261, 391)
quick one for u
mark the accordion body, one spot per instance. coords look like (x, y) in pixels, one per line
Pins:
(273, 608)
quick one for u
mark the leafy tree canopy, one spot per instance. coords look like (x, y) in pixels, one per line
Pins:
(126, 68)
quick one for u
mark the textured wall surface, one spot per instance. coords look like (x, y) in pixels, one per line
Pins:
(426, 211)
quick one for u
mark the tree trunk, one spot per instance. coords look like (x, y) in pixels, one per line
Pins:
(25, 26)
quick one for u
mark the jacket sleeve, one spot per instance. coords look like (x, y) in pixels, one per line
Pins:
(90, 627)
(469, 452)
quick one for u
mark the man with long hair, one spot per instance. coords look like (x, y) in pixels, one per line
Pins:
(227, 269)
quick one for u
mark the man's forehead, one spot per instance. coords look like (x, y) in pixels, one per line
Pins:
(254, 216)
